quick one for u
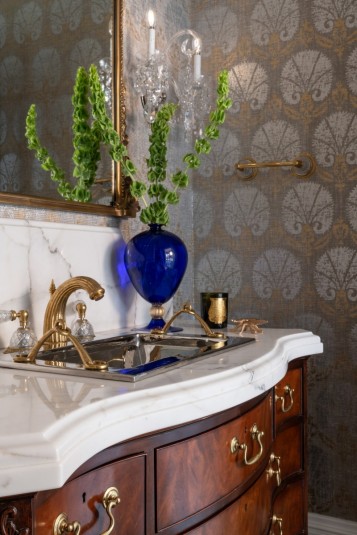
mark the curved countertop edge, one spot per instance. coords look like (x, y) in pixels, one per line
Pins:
(45, 459)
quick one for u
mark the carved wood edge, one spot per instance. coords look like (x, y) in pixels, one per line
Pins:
(8, 526)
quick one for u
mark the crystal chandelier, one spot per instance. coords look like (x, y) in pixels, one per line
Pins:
(153, 79)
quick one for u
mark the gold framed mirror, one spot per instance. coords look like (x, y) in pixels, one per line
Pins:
(41, 46)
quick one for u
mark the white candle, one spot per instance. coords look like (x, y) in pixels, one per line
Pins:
(197, 60)
(151, 21)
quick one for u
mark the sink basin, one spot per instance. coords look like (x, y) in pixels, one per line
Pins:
(130, 357)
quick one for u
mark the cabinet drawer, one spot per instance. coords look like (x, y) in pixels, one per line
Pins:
(250, 514)
(288, 446)
(195, 473)
(289, 511)
(82, 500)
(288, 396)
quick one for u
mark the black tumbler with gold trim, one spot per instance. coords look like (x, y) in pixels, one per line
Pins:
(214, 309)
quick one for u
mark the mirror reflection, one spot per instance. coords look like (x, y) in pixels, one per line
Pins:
(42, 44)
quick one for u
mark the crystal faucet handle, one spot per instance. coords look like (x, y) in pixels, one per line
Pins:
(7, 315)
(24, 337)
(81, 326)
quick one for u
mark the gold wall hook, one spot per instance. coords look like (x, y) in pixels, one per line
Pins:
(304, 166)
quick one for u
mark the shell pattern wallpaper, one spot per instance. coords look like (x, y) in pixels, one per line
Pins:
(286, 248)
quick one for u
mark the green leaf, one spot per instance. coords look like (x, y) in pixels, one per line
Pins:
(137, 189)
(156, 190)
(180, 179)
(224, 103)
(211, 132)
(192, 161)
(129, 168)
(202, 146)
(172, 197)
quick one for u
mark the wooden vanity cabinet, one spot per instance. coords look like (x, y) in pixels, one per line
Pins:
(82, 500)
(240, 472)
(290, 501)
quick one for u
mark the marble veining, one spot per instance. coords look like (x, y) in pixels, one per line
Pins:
(34, 253)
(50, 425)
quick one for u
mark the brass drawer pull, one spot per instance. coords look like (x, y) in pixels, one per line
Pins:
(288, 391)
(256, 435)
(276, 521)
(62, 525)
(110, 500)
(274, 462)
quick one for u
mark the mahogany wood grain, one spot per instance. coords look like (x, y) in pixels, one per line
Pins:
(293, 379)
(250, 515)
(194, 473)
(81, 500)
(289, 505)
(288, 446)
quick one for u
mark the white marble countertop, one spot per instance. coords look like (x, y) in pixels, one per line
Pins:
(51, 424)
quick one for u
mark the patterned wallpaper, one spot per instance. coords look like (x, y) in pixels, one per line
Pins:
(42, 43)
(286, 249)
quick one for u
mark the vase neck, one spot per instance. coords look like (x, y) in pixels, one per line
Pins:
(155, 227)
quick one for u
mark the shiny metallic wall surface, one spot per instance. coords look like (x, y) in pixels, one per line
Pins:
(286, 249)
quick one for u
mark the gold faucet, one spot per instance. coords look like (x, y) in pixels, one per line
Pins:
(56, 307)
(187, 309)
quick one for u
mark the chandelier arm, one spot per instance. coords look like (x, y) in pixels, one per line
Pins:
(182, 33)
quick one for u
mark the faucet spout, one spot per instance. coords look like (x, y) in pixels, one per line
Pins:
(187, 309)
(56, 307)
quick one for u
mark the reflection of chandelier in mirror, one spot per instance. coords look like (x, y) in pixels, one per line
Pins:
(153, 79)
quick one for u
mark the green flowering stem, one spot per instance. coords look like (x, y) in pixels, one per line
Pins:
(102, 122)
(86, 140)
(156, 210)
(90, 130)
(46, 161)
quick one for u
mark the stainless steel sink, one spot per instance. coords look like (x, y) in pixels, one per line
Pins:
(130, 357)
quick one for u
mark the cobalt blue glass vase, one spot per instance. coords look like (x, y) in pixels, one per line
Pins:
(156, 261)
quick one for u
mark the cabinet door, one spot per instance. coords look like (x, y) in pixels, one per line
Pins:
(81, 500)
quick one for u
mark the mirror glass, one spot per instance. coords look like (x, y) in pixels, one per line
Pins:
(42, 44)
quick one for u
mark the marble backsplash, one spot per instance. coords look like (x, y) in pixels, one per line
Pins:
(35, 252)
